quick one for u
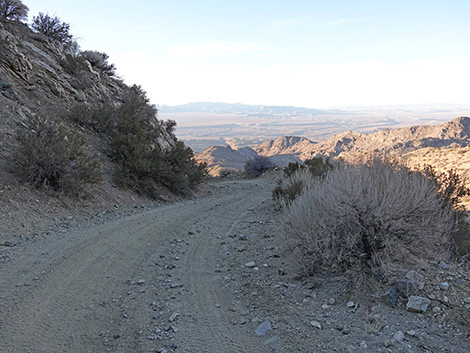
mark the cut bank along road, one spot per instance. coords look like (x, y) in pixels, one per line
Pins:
(81, 292)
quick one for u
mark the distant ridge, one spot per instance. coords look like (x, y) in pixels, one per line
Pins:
(347, 145)
(237, 108)
(455, 133)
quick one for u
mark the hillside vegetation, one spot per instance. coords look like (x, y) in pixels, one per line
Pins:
(72, 128)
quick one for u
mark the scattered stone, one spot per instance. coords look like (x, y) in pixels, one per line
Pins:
(363, 345)
(444, 286)
(174, 346)
(331, 301)
(436, 309)
(417, 304)
(467, 300)
(141, 281)
(390, 297)
(316, 324)
(101, 333)
(218, 305)
(398, 337)
(325, 307)
(416, 277)
(271, 340)
(250, 264)
(350, 304)
(242, 237)
(388, 343)
(156, 316)
(411, 333)
(116, 336)
(443, 265)
(406, 288)
(232, 235)
(264, 327)
(152, 338)
(444, 300)
(173, 317)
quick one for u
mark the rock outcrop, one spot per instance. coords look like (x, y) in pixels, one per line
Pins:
(39, 76)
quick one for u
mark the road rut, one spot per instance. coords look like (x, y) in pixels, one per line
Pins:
(80, 292)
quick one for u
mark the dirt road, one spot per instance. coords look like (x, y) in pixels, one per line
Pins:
(203, 276)
(105, 288)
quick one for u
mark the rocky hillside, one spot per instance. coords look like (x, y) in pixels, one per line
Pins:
(41, 77)
(350, 145)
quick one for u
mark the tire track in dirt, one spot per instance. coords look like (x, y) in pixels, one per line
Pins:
(56, 296)
(210, 303)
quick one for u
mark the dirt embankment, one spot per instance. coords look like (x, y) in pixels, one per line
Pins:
(210, 275)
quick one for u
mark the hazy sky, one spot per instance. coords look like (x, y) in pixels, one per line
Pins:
(307, 53)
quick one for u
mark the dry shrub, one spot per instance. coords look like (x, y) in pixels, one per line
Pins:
(360, 217)
(13, 10)
(257, 166)
(100, 61)
(53, 27)
(297, 177)
(101, 118)
(461, 238)
(291, 186)
(51, 156)
(452, 187)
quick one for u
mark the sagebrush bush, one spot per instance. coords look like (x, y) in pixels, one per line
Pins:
(53, 27)
(291, 186)
(257, 166)
(100, 61)
(318, 166)
(297, 176)
(13, 10)
(74, 64)
(101, 118)
(452, 187)
(51, 156)
(362, 216)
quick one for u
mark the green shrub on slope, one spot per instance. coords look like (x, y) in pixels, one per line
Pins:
(52, 156)
(144, 164)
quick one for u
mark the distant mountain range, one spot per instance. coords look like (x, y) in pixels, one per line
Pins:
(237, 108)
(346, 145)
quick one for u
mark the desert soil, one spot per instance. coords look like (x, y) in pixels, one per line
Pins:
(212, 274)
